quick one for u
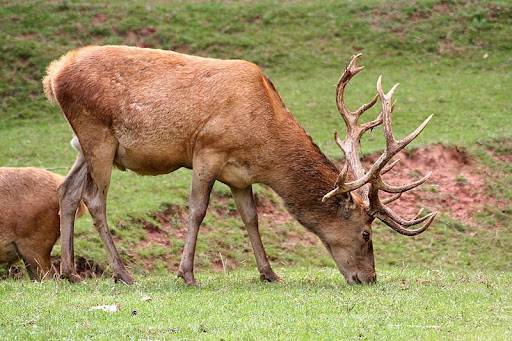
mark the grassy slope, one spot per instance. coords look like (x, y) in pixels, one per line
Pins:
(405, 304)
(436, 50)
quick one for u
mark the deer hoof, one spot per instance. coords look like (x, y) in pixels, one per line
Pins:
(188, 278)
(270, 277)
(72, 277)
(126, 278)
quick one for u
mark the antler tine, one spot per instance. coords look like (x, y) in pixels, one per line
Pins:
(406, 232)
(404, 188)
(406, 140)
(350, 71)
(389, 167)
(386, 114)
(392, 198)
(366, 106)
(406, 223)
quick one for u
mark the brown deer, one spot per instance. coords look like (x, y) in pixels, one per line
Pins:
(29, 218)
(154, 111)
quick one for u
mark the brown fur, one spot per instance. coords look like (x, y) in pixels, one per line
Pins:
(29, 218)
(154, 111)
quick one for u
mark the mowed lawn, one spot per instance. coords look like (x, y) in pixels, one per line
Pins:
(452, 59)
(310, 304)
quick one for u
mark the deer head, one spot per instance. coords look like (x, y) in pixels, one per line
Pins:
(357, 190)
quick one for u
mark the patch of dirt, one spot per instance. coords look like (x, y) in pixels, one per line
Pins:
(457, 186)
(442, 8)
(99, 18)
(170, 224)
(268, 209)
(501, 151)
(27, 36)
(447, 47)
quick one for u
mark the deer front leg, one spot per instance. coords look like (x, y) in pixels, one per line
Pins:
(246, 205)
(203, 178)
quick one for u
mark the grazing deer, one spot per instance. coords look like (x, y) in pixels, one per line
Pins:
(29, 218)
(154, 111)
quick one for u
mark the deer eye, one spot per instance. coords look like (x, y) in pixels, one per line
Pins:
(366, 236)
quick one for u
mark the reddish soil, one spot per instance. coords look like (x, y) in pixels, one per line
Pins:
(457, 186)
(99, 18)
(501, 152)
(171, 227)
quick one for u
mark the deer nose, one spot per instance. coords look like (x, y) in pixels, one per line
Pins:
(366, 278)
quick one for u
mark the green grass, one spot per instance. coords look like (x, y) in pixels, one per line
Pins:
(311, 304)
(452, 58)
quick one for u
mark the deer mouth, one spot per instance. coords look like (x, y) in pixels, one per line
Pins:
(355, 279)
(358, 278)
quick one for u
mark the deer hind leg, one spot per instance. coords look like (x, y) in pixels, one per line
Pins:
(70, 193)
(36, 259)
(205, 171)
(100, 156)
(246, 205)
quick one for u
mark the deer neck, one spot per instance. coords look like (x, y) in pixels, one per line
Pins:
(301, 175)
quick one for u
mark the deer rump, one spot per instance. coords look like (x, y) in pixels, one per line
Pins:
(29, 224)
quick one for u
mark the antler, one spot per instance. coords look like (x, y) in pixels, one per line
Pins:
(351, 145)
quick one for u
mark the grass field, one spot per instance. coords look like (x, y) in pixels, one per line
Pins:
(311, 304)
(452, 58)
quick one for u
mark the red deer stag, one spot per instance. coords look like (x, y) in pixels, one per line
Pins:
(154, 111)
(29, 218)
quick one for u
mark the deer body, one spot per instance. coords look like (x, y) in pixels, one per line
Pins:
(164, 107)
(29, 218)
(154, 111)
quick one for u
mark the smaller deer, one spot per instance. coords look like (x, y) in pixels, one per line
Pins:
(29, 218)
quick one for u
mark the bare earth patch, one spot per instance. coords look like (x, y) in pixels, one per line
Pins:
(457, 186)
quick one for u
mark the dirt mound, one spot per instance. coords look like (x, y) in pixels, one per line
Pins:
(457, 186)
